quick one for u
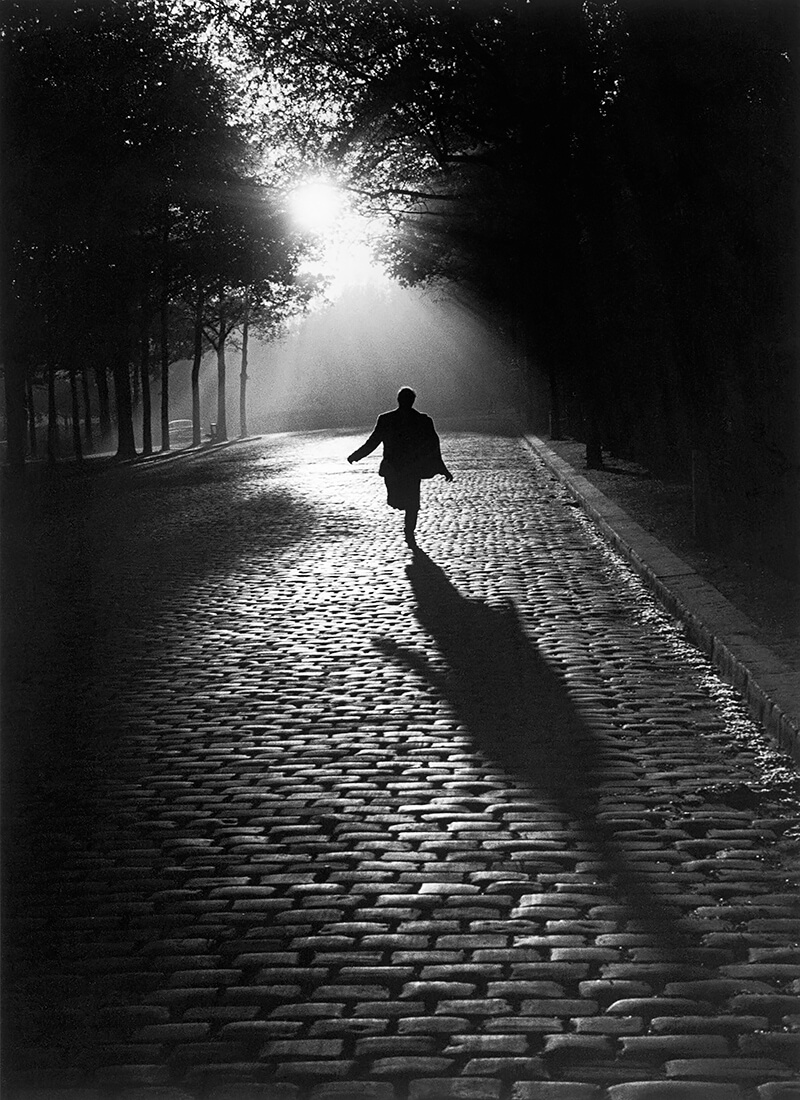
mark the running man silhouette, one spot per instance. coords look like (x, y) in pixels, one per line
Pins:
(411, 451)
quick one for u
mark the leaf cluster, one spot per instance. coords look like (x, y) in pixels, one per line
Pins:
(525, 129)
(128, 178)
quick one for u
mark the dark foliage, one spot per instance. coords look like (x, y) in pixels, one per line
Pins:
(126, 189)
(617, 181)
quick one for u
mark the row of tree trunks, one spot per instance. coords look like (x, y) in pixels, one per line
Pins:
(80, 446)
(22, 418)
(82, 443)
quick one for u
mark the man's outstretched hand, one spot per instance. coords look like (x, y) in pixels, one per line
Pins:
(448, 476)
(350, 459)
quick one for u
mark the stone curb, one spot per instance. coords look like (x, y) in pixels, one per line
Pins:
(770, 688)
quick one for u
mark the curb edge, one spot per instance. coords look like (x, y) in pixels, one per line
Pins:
(766, 707)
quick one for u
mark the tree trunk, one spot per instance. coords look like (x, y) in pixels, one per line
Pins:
(197, 433)
(87, 412)
(104, 404)
(594, 447)
(222, 426)
(52, 416)
(164, 333)
(126, 446)
(136, 390)
(705, 517)
(592, 415)
(31, 407)
(556, 425)
(164, 341)
(147, 408)
(77, 444)
(243, 374)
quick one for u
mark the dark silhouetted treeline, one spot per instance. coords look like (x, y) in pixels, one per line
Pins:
(136, 231)
(617, 180)
(614, 180)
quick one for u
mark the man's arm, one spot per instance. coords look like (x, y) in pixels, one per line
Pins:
(438, 451)
(370, 445)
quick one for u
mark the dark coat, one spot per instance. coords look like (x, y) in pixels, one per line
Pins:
(410, 445)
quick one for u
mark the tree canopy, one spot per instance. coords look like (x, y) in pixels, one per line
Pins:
(130, 182)
(614, 180)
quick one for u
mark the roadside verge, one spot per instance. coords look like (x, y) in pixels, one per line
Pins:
(725, 634)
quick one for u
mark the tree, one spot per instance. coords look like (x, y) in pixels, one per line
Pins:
(136, 116)
(250, 277)
(461, 122)
(613, 178)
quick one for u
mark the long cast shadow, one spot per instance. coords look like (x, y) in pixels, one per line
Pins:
(517, 711)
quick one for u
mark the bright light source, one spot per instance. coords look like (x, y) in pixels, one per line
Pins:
(343, 256)
(316, 205)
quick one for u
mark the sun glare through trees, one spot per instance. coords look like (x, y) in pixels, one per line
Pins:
(301, 799)
(344, 238)
(316, 205)
(607, 184)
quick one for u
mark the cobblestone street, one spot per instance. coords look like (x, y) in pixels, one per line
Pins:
(294, 814)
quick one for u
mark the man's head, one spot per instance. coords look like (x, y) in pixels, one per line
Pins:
(406, 397)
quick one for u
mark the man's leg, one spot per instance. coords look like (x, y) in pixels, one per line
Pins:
(411, 525)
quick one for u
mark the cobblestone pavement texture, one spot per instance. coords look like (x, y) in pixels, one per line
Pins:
(664, 508)
(293, 814)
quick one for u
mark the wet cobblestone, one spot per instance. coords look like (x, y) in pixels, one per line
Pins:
(294, 815)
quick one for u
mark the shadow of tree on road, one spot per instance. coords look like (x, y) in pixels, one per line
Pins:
(108, 576)
(97, 569)
(518, 713)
